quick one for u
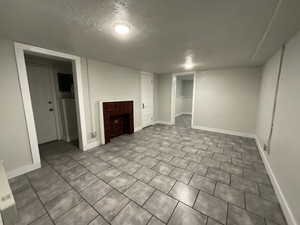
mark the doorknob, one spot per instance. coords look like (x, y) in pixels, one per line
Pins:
(143, 105)
(51, 109)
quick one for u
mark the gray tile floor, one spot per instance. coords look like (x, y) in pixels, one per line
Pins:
(160, 175)
(183, 121)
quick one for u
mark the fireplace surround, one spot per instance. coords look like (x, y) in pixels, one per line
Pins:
(117, 119)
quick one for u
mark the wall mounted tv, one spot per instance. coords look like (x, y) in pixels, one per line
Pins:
(65, 82)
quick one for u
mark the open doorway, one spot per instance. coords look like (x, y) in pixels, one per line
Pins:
(51, 86)
(24, 51)
(182, 99)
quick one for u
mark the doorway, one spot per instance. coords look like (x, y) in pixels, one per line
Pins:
(182, 99)
(21, 50)
(147, 90)
(51, 88)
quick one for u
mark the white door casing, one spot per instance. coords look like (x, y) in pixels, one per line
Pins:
(147, 90)
(41, 92)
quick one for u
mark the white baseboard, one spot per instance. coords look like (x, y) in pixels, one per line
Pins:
(22, 170)
(91, 145)
(282, 200)
(136, 129)
(183, 113)
(223, 131)
(163, 122)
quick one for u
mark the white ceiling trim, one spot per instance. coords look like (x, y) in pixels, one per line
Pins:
(268, 28)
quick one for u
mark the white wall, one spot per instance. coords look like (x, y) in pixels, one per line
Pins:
(179, 99)
(108, 83)
(227, 99)
(164, 98)
(285, 146)
(187, 96)
(15, 148)
(184, 96)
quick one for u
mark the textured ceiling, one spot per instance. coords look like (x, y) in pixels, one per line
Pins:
(215, 33)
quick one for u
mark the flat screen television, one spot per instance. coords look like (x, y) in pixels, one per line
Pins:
(65, 82)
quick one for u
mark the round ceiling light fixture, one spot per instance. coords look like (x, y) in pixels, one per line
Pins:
(122, 28)
(188, 65)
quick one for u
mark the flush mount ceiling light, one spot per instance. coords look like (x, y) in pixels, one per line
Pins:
(122, 28)
(188, 65)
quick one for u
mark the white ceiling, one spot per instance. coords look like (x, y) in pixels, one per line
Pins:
(215, 33)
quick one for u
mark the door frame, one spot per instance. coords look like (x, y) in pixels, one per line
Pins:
(173, 95)
(152, 75)
(20, 50)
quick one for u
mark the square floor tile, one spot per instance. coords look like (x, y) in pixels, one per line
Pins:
(98, 221)
(237, 215)
(109, 174)
(132, 214)
(211, 206)
(62, 203)
(95, 191)
(130, 167)
(83, 181)
(44, 220)
(184, 193)
(185, 215)
(244, 184)
(30, 212)
(155, 221)
(197, 168)
(203, 183)
(148, 161)
(145, 174)
(218, 175)
(163, 168)
(122, 182)
(111, 204)
(163, 183)
(82, 214)
(161, 205)
(264, 208)
(139, 192)
(181, 175)
(230, 194)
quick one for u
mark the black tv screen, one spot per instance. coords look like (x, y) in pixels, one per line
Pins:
(65, 82)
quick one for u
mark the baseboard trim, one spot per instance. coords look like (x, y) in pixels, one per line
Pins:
(223, 131)
(163, 122)
(22, 170)
(282, 200)
(136, 129)
(183, 113)
(91, 145)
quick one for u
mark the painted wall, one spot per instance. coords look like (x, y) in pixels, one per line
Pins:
(164, 98)
(187, 88)
(108, 82)
(187, 96)
(227, 99)
(184, 96)
(15, 149)
(284, 148)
